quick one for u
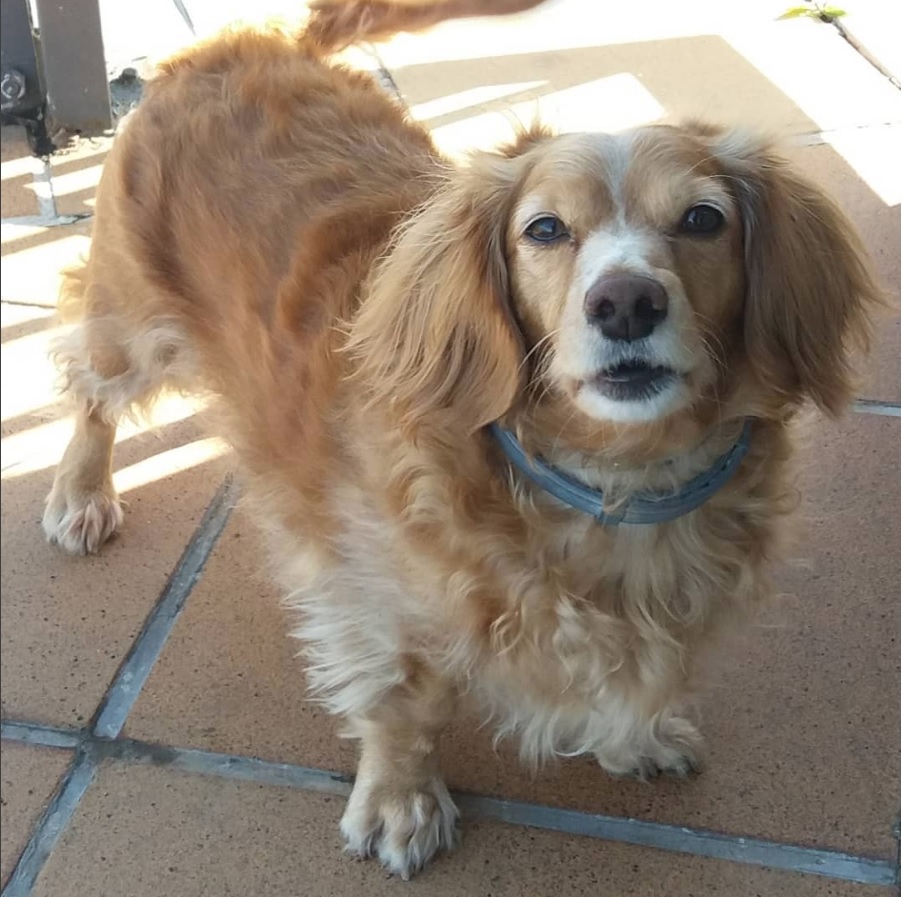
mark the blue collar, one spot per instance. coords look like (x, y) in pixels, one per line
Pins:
(642, 508)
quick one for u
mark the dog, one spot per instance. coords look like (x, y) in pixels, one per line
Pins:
(336, 24)
(517, 430)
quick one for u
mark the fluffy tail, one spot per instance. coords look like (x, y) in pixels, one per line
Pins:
(336, 24)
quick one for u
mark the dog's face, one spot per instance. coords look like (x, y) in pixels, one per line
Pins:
(625, 254)
(617, 278)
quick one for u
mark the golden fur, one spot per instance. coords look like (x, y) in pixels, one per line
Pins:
(338, 23)
(274, 229)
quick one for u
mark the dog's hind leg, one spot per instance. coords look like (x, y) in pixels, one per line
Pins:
(109, 366)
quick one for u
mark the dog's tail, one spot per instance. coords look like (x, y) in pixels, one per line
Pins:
(332, 25)
(336, 24)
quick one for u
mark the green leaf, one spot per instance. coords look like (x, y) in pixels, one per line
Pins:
(813, 12)
(798, 12)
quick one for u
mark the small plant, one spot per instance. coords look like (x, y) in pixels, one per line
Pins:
(825, 13)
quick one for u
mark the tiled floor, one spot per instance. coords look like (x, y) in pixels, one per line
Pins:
(802, 716)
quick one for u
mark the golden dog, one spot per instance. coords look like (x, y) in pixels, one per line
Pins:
(516, 430)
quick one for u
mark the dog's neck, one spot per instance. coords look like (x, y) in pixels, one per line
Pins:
(614, 492)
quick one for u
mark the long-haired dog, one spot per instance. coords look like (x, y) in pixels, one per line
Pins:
(516, 430)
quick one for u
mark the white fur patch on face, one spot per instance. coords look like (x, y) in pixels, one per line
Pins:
(615, 247)
(584, 352)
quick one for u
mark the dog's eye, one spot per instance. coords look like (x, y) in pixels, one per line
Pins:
(702, 219)
(547, 229)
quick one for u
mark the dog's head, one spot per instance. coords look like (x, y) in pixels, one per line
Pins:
(625, 277)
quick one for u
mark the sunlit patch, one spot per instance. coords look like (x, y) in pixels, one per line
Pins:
(466, 99)
(21, 167)
(874, 156)
(27, 378)
(167, 463)
(606, 104)
(14, 230)
(42, 446)
(75, 181)
(32, 275)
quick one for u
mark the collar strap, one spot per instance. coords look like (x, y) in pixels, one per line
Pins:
(642, 508)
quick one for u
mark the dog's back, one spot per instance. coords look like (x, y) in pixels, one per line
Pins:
(238, 214)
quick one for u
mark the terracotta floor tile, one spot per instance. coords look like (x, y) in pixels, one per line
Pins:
(68, 622)
(30, 775)
(802, 724)
(17, 167)
(144, 831)
(229, 679)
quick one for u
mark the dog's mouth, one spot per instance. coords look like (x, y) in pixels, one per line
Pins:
(633, 380)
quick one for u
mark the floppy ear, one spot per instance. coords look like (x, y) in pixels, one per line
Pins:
(809, 289)
(436, 338)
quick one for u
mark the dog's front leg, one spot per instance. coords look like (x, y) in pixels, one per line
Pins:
(400, 809)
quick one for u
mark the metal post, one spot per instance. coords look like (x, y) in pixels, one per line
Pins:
(20, 82)
(75, 71)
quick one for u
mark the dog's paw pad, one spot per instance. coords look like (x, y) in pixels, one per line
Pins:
(404, 830)
(82, 526)
(674, 751)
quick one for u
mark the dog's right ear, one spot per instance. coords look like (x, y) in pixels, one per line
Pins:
(435, 339)
(810, 290)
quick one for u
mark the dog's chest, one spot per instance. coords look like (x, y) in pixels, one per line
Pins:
(629, 566)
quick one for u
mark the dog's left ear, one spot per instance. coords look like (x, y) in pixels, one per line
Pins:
(809, 288)
(435, 339)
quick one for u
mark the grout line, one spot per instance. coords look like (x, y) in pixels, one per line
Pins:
(673, 838)
(143, 654)
(823, 137)
(118, 701)
(229, 766)
(43, 190)
(383, 76)
(51, 825)
(41, 735)
(697, 842)
(896, 831)
(872, 406)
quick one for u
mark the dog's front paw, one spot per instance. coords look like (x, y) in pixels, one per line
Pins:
(80, 525)
(404, 829)
(674, 747)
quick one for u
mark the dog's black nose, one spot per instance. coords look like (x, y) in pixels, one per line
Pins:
(626, 307)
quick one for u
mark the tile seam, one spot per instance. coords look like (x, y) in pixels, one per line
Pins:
(51, 825)
(135, 669)
(43, 189)
(875, 406)
(41, 735)
(777, 855)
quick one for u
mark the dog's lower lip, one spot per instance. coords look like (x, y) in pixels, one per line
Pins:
(633, 381)
(634, 373)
